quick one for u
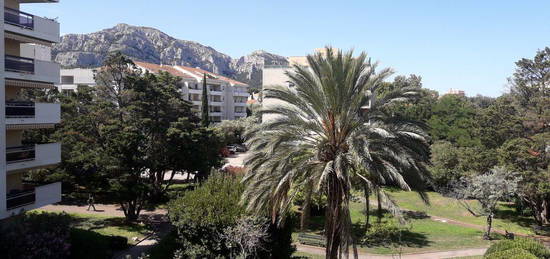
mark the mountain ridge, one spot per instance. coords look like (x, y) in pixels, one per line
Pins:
(154, 46)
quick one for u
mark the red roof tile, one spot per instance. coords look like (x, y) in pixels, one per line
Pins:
(201, 72)
(154, 68)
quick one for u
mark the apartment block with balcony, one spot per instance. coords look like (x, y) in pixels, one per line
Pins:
(226, 97)
(26, 64)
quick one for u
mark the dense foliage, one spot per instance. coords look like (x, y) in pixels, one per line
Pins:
(517, 248)
(35, 235)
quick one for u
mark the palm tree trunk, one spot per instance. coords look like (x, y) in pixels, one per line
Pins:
(334, 219)
(306, 208)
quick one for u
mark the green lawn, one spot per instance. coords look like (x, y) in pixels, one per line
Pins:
(506, 217)
(108, 226)
(421, 234)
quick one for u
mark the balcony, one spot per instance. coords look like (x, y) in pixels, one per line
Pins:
(28, 69)
(241, 93)
(32, 156)
(34, 197)
(21, 114)
(36, 29)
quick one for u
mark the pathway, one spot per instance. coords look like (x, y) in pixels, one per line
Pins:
(431, 255)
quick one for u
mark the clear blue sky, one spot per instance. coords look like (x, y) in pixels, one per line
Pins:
(466, 44)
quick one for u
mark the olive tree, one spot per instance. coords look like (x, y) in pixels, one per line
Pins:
(488, 189)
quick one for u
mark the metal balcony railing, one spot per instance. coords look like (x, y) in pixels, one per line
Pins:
(20, 154)
(19, 64)
(18, 18)
(20, 110)
(20, 199)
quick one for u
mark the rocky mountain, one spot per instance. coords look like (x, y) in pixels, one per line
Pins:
(151, 45)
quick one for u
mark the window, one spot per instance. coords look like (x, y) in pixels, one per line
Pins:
(216, 88)
(215, 98)
(67, 80)
(215, 109)
(239, 99)
(239, 109)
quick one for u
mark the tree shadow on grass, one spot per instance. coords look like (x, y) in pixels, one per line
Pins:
(511, 214)
(388, 235)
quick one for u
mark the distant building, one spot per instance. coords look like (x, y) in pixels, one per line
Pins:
(72, 78)
(226, 97)
(26, 64)
(456, 92)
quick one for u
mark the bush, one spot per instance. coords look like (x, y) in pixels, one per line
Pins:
(279, 243)
(514, 253)
(35, 235)
(382, 234)
(200, 215)
(166, 247)
(118, 242)
(531, 246)
(87, 244)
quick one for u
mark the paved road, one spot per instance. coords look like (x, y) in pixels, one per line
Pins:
(433, 255)
(236, 160)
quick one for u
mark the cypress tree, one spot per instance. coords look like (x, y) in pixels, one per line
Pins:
(205, 120)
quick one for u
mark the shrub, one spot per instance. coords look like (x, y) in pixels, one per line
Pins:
(166, 247)
(200, 215)
(118, 242)
(87, 244)
(382, 234)
(531, 246)
(35, 235)
(514, 253)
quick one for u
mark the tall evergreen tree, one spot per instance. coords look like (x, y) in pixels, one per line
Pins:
(205, 120)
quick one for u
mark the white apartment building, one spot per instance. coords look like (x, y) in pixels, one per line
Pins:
(226, 97)
(26, 64)
(72, 78)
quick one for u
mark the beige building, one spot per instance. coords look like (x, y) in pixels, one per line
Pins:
(27, 64)
(226, 97)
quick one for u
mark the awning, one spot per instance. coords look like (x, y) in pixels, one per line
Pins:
(29, 84)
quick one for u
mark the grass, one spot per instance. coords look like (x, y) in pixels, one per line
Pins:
(420, 234)
(506, 217)
(109, 226)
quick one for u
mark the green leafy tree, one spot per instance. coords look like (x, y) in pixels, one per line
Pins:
(488, 189)
(530, 86)
(319, 138)
(454, 120)
(530, 157)
(499, 122)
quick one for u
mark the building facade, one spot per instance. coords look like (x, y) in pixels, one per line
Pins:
(26, 64)
(226, 97)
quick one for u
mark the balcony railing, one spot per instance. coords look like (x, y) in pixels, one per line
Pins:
(20, 154)
(19, 64)
(18, 18)
(20, 110)
(20, 199)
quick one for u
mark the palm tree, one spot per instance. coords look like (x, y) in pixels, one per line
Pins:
(321, 136)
